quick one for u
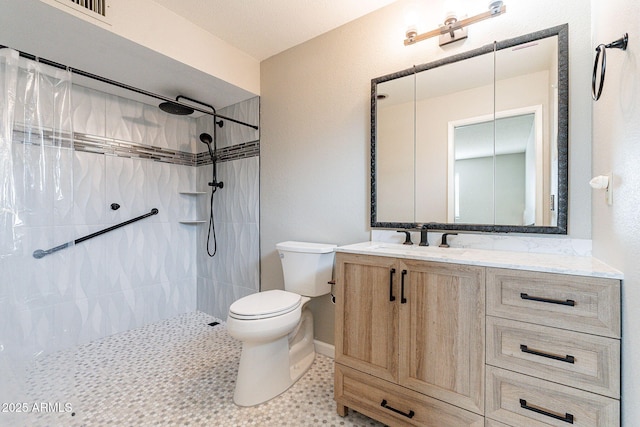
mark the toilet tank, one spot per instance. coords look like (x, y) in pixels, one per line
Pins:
(307, 267)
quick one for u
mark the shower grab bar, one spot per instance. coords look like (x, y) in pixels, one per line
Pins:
(39, 253)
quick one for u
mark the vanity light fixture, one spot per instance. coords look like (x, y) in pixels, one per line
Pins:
(453, 30)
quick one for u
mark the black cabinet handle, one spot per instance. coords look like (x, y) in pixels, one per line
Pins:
(568, 418)
(391, 273)
(569, 302)
(410, 414)
(403, 300)
(567, 358)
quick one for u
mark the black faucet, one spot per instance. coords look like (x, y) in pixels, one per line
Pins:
(407, 238)
(443, 243)
(424, 241)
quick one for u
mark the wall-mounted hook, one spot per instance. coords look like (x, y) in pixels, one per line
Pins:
(604, 182)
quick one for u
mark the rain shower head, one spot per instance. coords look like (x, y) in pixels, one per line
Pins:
(175, 108)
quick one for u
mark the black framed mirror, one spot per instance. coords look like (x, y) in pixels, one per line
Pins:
(475, 142)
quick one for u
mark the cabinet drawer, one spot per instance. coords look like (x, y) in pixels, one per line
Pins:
(580, 303)
(520, 400)
(588, 362)
(402, 407)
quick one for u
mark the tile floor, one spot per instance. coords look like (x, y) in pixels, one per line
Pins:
(178, 372)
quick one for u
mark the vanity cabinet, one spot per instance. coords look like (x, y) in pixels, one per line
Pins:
(410, 340)
(446, 344)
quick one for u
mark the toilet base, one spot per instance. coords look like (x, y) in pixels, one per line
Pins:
(267, 370)
(302, 351)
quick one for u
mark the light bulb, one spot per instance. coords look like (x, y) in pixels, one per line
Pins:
(494, 6)
(411, 20)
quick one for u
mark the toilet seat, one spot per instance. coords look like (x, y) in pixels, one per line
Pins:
(263, 305)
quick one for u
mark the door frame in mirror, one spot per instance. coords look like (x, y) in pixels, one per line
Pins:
(562, 33)
(533, 110)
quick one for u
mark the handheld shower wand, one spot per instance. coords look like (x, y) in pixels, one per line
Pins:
(206, 138)
(214, 184)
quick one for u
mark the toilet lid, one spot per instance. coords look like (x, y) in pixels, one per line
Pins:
(264, 304)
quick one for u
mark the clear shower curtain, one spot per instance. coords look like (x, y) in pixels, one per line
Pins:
(36, 212)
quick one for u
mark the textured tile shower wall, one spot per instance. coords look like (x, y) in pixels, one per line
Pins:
(145, 271)
(129, 277)
(234, 272)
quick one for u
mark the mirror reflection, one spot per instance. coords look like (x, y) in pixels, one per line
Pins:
(395, 150)
(494, 171)
(476, 141)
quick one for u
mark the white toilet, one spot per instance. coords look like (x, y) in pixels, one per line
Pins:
(275, 327)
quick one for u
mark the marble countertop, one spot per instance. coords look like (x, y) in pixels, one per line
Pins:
(551, 263)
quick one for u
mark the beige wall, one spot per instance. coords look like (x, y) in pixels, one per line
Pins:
(616, 148)
(315, 124)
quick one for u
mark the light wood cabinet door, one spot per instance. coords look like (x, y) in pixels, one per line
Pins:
(366, 327)
(442, 332)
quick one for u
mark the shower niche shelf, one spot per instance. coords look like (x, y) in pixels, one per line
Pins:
(192, 221)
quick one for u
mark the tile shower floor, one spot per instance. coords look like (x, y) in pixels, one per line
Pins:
(178, 372)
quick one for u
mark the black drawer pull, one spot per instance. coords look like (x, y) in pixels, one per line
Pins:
(569, 302)
(567, 358)
(403, 300)
(408, 415)
(391, 273)
(568, 418)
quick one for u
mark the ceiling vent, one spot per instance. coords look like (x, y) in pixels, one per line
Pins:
(96, 6)
(96, 9)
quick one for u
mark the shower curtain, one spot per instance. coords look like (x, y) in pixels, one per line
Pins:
(36, 212)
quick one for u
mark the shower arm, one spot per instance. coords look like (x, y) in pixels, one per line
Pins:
(213, 110)
(124, 86)
(215, 114)
(214, 154)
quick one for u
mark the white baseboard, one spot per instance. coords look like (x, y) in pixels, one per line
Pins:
(324, 349)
